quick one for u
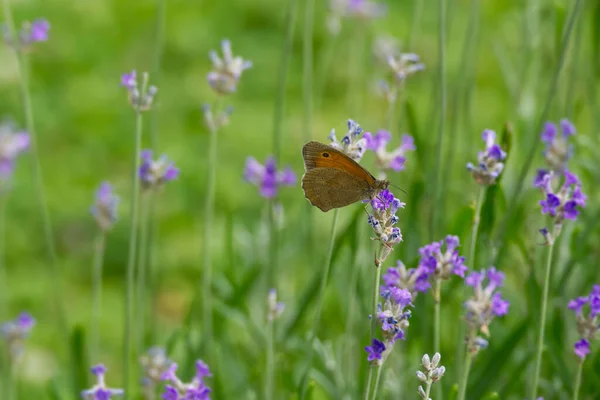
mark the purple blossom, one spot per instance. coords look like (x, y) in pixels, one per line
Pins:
(104, 209)
(267, 177)
(404, 65)
(485, 304)
(99, 391)
(564, 203)
(155, 173)
(15, 333)
(557, 151)
(393, 160)
(383, 219)
(194, 390)
(440, 265)
(577, 304)
(582, 348)
(12, 144)
(490, 163)
(141, 95)
(227, 70)
(375, 351)
(170, 393)
(129, 80)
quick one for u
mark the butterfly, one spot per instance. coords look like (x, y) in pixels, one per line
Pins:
(334, 180)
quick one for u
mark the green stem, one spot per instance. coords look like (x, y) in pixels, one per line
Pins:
(357, 49)
(379, 368)
(437, 296)
(270, 361)
(442, 107)
(207, 319)
(156, 67)
(315, 327)
(133, 232)
(286, 56)
(54, 269)
(416, 20)
(578, 381)
(142, 269)
(475, 230)
(273, 244)
(428, 390)
(389, 122)
(349, 336)
(307, 70)
(97, 294)
(540, 343)
(462, 388)
(375, 299)
(328, 55)
(369, 382)
(3, 275)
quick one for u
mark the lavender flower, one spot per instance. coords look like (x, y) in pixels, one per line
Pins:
(358, 9)
(275, 308)
(12, 143)
(31, 32)
(588, 323)
(414, 280)
(154, 364)
(267, 177)
(490, 162)
(104, 209)
(441, 265)
(405, 65)
(194, 390)
(227, 71)
(375, 351)
(561, 205)
(215, 122)
(431, 373)
(155, 173)
(558, 151)
(382, 220)
(393, 160)
(485, 304)
(99, 391)
(141, 96)
(15, 333)
(351, 144)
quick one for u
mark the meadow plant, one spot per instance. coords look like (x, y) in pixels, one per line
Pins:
(389, 160)
(223, 79)
(560, 204)
(351, 144)
(100, 391)
(431, 374)
(490, 162)
(30, 33)
(274, 310)
(485, 305)
(155, 173)
(195, 389)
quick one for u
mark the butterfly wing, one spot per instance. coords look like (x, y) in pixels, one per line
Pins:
(319, 155)
(328, 188)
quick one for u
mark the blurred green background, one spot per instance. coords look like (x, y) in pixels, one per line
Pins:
(501, 59)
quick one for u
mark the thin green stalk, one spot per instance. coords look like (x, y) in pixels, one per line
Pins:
(416, 20)
(377, 377)
(3, 275)
(54, 269)
(573, 18)
(389, 121)
(349, 331)
(209, 206)
(462, 388)
(369, 382)
(475, 230)
(357, 49)
(375, 299)
(270, 361)
(442, 108)
(286, 56)
(437, 297)
(327, 56)
(156, 67)
(540, 343)
(133, 232)
(146, 218)
(273, 244)
(315, 326)
(97, 294)
(578, 381)
(428, 390)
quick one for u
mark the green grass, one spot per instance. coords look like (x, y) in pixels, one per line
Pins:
(85, 135)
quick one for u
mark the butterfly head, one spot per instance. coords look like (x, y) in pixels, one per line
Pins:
(380, 186)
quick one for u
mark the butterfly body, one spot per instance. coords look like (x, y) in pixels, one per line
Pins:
(334, 180)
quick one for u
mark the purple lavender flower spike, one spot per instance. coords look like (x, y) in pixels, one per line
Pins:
(587, 321)
(567, 127)
(389, 160)
(267, 177)
(441, 265)
(490, 163)
(383, 220)
(104, 209)
(227, 71)
(194, 390)
(549, 132)
(15, 333)
(39, 31)
(100, 391)
(499, 305)
(375, 350)
(353, 144)
(155, 173)
(557, 150)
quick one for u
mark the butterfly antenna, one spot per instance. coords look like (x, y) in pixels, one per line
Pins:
(402, 190)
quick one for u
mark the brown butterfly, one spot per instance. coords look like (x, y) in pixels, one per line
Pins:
(334, 180)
